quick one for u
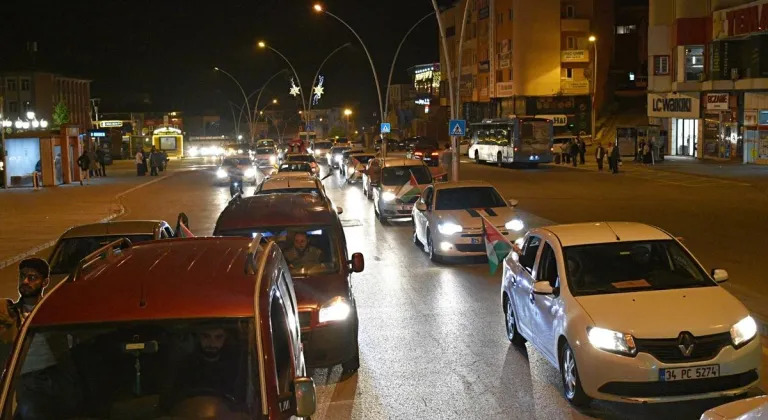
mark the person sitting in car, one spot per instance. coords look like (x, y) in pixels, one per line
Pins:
(302, 253)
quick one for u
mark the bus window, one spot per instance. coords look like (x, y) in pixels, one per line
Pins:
(536, 134)
(501, 137)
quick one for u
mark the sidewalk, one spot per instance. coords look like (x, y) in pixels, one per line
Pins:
(33, 220)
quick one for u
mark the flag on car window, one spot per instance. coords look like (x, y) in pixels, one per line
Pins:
(183, 231)
(497, 247)
(410, 189)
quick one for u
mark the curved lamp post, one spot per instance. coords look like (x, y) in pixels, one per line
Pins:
(309, 106)
(241, 90)
(263, 44)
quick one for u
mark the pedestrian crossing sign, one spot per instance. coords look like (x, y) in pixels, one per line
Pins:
(385, 128)
(457, 128)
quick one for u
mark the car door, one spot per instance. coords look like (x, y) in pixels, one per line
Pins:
(545, 307)
(420, 218)
(522, 285)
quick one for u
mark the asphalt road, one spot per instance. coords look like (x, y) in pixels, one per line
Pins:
(432, 336)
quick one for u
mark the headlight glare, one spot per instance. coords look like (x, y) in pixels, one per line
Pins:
(250, 173)
(515, 225)
(388, 196)
(448, 228)
(338, 158)
(336, 309)
(221, 173)
(743, 331)
(611, 341)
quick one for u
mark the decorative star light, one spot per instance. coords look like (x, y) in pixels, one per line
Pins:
(294, 89)
(319, 90)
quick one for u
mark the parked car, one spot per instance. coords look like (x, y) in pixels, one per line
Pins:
(424, 149)
(320, 149)
(169, 328)
(313, 241)
(265, 157)
(336, 155)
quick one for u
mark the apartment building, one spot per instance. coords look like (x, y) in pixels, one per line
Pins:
(522, 57)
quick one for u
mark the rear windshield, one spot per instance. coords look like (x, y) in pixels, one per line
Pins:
(70, 251)
(300, 158)
(295, 167)
(289, 191)
(468, 198)
(265, 150)
(236, 161)
(400, 175)
(323, 145)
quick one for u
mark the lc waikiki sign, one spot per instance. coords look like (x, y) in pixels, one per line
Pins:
(673, 105)
(741, 20)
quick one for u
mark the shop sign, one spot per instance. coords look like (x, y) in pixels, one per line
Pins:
(484, 66)
(423, 101)
(574, 87)
(574, 56)
(110, 123)
(557, 120)
(750, 117)
(717, 101)
(97, 133)
(741, 20)
(504, 61)
(673, 105)
(505, 89)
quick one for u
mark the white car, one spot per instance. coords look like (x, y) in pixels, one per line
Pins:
(291, 184)
(265, 157)
(627, 314)
(755, 408)
(448, 218)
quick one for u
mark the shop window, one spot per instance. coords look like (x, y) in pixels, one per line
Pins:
(570, 42)
(450, 31)
(660, 65)
(763, 118)
(24, 84)
(23, 155)
(694, 62)
(625, 29)
(13, 106)
(10, 85)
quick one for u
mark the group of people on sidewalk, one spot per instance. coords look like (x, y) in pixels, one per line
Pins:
(92, 163)
(156, 159)
(611, 154)
(573, 151)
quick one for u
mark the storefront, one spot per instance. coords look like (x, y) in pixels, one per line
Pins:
(755, 127)
(51, 154)
(680, 115)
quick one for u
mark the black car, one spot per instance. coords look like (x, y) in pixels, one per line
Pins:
(424, 149)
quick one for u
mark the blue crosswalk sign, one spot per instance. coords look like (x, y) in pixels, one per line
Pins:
(457, 128)
(385, 128)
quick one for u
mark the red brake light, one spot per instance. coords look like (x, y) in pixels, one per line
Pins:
(418, 153)
(434, 153)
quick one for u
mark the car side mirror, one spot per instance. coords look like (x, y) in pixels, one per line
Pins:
(513, 202)
(357, 263)
(720, 275)
(305, 397)
(543, 288)
(421, 206)
(339, 210)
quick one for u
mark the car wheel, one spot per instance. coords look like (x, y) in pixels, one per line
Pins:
(574, 393)
(353, 364)
(431, 249)
(499, 162)
(512, 333)
(416, 240)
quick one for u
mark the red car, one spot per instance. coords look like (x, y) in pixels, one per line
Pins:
(179, 328)
(309, 232)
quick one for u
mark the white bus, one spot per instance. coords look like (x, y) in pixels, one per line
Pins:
(521, 140)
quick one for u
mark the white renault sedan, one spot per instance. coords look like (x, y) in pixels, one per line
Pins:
(626, 313)
(448, 218)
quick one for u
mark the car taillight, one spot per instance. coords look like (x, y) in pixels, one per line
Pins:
(434, 153)
(515, 148)
(418, 153)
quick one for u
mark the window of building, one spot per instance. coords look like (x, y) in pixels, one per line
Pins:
(660, 65)
(24, 84)
(569, 73)
(694, 62)
(570, 42)
(625, 29)
(13, 106)
(570, 11)
(510, 14)
(450, 31)
(10, 85)
(510, 74)
(499, 76)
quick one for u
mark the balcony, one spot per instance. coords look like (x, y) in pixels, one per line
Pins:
(574, 25)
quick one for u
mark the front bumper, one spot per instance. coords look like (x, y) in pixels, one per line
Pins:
(330, 344)
(613, 377)
(395, 209)
(468, 243)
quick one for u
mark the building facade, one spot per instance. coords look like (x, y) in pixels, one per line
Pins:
(39, 92)
(708, 77)
(522, 57)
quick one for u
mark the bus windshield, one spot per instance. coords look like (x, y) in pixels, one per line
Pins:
(535, 135)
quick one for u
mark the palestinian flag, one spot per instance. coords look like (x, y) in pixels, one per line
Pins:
(410, 189)
(183, 231)
(496, 245)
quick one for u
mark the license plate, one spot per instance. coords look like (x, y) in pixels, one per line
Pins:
(682, 374)
(476, 241)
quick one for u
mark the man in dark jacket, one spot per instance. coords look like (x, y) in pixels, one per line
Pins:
(34, 277)
(574, 152)
(615, 158)
(582, 149)
(102, 158)
(599, 156)
(83, 162)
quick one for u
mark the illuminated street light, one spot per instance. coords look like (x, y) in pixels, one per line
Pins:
(244, 96)
(318, 8)
(274, 101)
(43, 123)
(19, 123)
(239, 136)
(35, 123)
(262, 44)
(30, 115)
(347, 112)
(592, 38)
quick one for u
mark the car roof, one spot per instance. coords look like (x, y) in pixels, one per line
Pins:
(606, 232)
(296, 154)
(168, 279)
(122, 227)
(389, 162)
(276, 210)
(461, 184)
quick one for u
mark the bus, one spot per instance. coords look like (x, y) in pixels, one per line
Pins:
(170, 140)
(521, 140)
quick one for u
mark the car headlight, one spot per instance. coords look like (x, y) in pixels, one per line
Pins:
(250, 173)
(515, 224)
(240, 151)
(612, 341)
(272, 159)
(221, 173)
(388, 196)
(336, 309)
(310, 150)
(743, 332)
(194, 151)
(448, 228)
(338, 158)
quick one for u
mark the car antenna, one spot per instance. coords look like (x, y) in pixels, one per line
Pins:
(618, 238)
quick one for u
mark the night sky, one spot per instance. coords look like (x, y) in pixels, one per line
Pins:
(167, 49)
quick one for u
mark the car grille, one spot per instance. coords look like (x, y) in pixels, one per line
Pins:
(305, 319)
(666, 350)
(678, 388)
(470, 247)
(478, 232)
(410, 200)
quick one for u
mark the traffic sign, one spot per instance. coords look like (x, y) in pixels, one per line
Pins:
(385, 128)
(457, 128)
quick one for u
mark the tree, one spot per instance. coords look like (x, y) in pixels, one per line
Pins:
(336, 131)
(60, 114)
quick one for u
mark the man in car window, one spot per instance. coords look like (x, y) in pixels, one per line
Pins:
(302, 253)
(33, 279)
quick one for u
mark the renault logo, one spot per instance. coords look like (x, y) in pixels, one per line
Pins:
(685, 343)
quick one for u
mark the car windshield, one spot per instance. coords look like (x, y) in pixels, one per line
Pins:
(265, 151)
(70, 251)
(138, 370)
(308, 250)
(399, 175)
(236, 162)
(295, 167)
(630, 267)
(342, 140)
(339, 150)
(289, 191)
(300, 158)
(468, 198)
(263, 143)
(323, 145)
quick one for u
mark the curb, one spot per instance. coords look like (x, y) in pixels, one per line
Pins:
(121, 211)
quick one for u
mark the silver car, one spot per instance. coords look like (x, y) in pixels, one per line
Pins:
(398, 187)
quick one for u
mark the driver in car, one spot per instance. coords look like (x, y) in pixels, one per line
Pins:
(213, 369)
(302, 253)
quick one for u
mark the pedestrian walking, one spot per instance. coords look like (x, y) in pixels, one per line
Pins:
(446, 161)
(102, 157)
(599, 156)
(165, 161)
(582, 149)
(574, 153)
(565, 150)
(83, 163)
(93, 163)
(615, 159)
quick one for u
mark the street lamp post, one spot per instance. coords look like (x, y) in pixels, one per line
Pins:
(317, 74)
(347, 113)
(244, 95)
(263, 44)
(261, 90)
(593, 40)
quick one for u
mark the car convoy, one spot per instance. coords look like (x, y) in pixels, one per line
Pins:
(622, 310)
